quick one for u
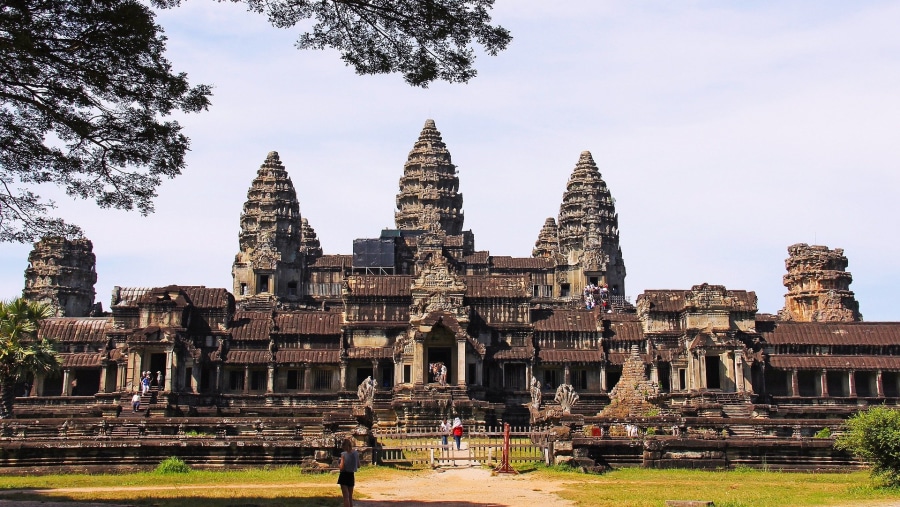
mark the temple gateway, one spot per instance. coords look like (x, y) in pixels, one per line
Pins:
(433, 327)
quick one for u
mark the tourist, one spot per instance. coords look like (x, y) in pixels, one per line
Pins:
(145, 383)
(347, 467)
(457, 432)
(445, 431)
(135, 402)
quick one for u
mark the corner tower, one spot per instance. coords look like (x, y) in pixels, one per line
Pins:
(589, 229)
(62, 273)
(269, 265)
(818, 286)
(429, 197)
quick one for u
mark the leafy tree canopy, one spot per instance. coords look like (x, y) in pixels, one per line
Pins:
(21, 353)
(86, 88)
(874, 435)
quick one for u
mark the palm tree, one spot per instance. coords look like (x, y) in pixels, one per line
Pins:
(21, 353)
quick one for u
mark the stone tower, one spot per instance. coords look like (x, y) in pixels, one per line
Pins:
(309, 241)
(269, 265)
(547, 244)
(589, 229)
(429, 198)
(818, 286)
(62, 273)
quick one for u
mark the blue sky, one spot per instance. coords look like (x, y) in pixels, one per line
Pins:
(726, 131)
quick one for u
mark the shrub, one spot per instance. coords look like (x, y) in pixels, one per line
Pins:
(172, 465)
(874, 435)
(823, 433)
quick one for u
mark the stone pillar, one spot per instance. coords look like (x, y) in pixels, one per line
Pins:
(375, 376)
(479, 372)
(104, 371)
(738, 371)
(529, 372)
(37, 387)
(461, 363)
(603, 383)
(795, 383)
(503, 375)
(418, 366)
(701, 359)
(567, 374)
(654, 372)
(398, 372)
(247, 379)
(270, 381)
(851, 383)
(343, 376)
(171, 368)
(823, 381)
(307, 378)
(67, 386)
(195, 378)
(879, 384)
(134, 372)
(219, 372)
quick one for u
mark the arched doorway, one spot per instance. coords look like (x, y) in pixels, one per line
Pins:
(440, 348)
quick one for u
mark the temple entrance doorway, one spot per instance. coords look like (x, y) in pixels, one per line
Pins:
(440, 355)
(713, 378)
(157, 364)
(362, 374)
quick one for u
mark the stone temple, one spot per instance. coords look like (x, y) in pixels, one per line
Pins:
(300, 330)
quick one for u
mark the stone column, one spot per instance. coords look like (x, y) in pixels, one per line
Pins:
(134, 372)
(67, 387)
(218, 388)
(739, 371)
(307, 378)
(247, 379)
(37, 387)
(104, 371)
(503, 375)
(479, 372)
(270, 381)
(195, 378)
(603, 383)
(701, 358)
(567, 374)
(529, 372)
(795, 383)
(823, 378)
(171, 368)
(654, 372)
(375, 375)
(343, 376)
(418, 366)
(461, 363)
(879, 384)
(851, 383)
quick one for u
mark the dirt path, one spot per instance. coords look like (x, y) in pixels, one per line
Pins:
(465, 487)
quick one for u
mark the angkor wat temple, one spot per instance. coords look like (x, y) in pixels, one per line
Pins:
(300, 330)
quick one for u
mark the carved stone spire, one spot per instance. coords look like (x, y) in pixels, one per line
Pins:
(269, 261)
(62, 273)
(429, 198)
(547, 244)
(589, 225)
(309, 242)
(818, 286)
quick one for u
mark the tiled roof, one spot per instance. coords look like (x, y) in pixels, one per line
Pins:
(570, 356)
(565, 320)
(371, 285)
(835, 362)
(370, 353)
(620, 357)
(248, 357)
(316, 323)
(318, 356)
(477, 258)
(505, 262)
(496, 286)
(202, 297)
(332, 261)
(129, 295)
(834, 333)
(625, 330)
(251, 326)
(74, 329)
(80, 360)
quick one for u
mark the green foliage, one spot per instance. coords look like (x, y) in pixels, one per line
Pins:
(823, 433)
(83, 87)
(21, 352)
(874, 435)
(172, 465)
(653, 412)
